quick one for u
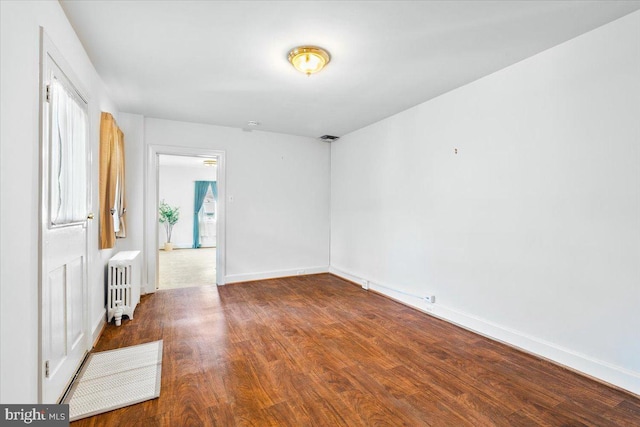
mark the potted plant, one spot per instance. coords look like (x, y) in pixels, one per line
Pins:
(168, 215)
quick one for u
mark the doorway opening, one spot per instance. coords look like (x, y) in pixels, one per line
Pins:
(187, 190)
(185, 217)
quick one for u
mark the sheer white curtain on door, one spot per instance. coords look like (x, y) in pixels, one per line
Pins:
(68, 157)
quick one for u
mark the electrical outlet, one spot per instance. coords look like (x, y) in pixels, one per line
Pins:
(365, 284)
(430, 299)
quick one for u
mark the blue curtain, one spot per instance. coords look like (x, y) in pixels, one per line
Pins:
(201, 192)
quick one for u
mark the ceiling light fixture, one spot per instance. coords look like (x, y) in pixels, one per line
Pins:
(210, 162)
(309, 59)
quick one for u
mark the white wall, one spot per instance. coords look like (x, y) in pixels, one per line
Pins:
(277, 206)
(19, 153)
(132, 125)
(176, 187)
(531, 233)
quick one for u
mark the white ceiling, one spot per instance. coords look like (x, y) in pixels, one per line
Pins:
(224, 62)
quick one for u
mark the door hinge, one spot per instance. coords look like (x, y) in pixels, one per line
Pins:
(46, 369)
(47, 95)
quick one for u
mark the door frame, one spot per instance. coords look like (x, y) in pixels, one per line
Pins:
(152, 202)
(49, 50)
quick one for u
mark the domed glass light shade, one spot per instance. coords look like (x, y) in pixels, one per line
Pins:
(309, 59)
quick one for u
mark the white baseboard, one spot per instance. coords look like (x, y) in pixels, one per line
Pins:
(98, 324)
(176, 246)
(598, 369)
(145, 289)
(302, 271)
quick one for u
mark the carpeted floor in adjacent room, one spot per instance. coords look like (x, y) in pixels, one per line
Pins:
(183, 268)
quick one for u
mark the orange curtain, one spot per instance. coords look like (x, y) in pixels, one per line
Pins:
(111, 174)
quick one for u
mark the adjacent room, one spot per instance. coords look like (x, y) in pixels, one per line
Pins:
(322, 213)
(187, 190)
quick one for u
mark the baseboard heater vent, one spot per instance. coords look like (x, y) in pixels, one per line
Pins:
(123, 284)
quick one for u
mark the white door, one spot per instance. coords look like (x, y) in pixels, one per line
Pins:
(64, 213)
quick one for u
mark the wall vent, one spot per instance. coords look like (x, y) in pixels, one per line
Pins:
(329, 138)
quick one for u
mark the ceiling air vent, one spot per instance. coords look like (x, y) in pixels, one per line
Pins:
(329, 138)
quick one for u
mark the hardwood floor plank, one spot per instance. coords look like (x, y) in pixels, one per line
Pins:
(320, 405)
(627, 413)
(521, 419)
(397, 409)
(280, 414)
(584, 415)
(434, 412)
(486, 411)
(554, 416)
(220, 415)
(318, 351)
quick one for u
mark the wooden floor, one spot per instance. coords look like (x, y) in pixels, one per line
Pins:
(318, 351)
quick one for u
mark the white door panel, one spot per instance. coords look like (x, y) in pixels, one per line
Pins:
(57, 339)
(75, 294)
(64, 320)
